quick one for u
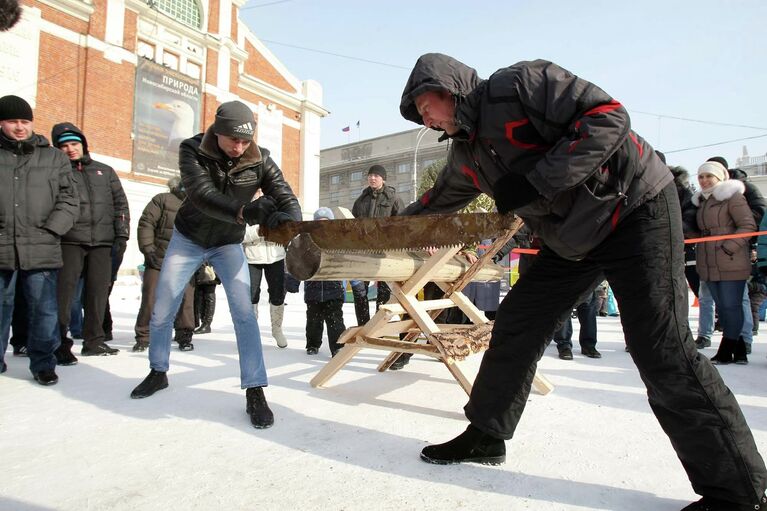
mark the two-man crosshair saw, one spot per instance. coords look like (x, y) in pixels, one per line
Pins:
(394, 250)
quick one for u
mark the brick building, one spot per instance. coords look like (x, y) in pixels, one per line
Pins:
(119, 68)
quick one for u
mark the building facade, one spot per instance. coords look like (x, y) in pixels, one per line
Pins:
(343, 169)
(138, 76)
(752, 165)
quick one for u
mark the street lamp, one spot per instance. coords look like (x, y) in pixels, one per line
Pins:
(418, 139)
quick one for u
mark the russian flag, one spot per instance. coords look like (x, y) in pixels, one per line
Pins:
(346, 129)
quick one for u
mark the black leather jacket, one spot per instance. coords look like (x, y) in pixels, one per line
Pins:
(218, 186)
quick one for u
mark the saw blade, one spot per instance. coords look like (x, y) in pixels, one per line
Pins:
(395, 233)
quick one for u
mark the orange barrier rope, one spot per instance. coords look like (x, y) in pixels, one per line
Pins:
(534, 251)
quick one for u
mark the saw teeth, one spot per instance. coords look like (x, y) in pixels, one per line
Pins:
(382, 250)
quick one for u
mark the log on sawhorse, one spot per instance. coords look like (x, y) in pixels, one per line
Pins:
(447, 343)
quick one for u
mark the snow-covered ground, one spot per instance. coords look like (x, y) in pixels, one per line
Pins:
(85, 445)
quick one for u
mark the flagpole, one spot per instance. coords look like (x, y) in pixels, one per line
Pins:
(358, 131)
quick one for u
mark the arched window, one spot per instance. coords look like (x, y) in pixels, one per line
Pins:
(185, 11)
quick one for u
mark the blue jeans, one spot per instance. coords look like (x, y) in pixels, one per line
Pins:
(182, 259)
(39, 288)
(728, 296)
(706, 314)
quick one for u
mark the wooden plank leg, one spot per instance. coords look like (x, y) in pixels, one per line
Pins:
(461, 378)
(388, 361)
(343, 356)
(541, 384)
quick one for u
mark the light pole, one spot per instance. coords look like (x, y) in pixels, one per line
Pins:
(418, 139)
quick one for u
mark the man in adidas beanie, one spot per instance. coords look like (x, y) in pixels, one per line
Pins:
(221, 170)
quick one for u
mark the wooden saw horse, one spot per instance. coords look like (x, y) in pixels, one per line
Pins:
(446, 343)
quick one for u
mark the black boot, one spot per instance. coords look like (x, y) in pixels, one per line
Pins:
(261, 415)
(725, 351)
(206, 316)
(402, 361)
(64, 355)
(140, 345)
(740, 352)
(97, 350)
(470, 446)
(590, 352)
(46, 377)
(184, 339)
(156, 380)
(711, 504)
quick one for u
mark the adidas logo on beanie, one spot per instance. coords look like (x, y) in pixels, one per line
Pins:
(234, 119)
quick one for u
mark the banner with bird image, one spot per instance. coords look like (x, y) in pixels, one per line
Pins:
(166, 110)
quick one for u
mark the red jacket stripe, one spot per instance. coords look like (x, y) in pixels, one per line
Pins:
(636, 143)
(603, 109)
(518, 143)
(471, 174)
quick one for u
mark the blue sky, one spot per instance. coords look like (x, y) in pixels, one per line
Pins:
(704, 60)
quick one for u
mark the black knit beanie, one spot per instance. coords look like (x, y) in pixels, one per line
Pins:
(234, 119)
(14, 107)
(378, 170)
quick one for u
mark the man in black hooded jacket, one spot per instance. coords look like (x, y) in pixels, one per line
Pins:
(87, 248)
(559, 152)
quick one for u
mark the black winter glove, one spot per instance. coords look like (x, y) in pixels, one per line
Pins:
(120, 245)
(152, 261)
(505, 250)
(512, 192)
(258, 211)
(277, 218)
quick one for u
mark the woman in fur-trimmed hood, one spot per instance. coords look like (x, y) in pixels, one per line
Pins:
(724, 264)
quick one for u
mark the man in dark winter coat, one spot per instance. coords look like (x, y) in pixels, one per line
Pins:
(376, 201)
(38, 204)
(155, 228)
(559, 152)
(221, 171)
(87, 248)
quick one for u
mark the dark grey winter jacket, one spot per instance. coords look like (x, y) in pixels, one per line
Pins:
(104, 213)
(217, 187)
(388, 203)
(38, 203)
(570, 140)
(155, 227)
